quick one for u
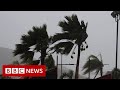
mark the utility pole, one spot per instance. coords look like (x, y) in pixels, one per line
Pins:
(61, 64)
(57, 66)
(89, 71)
(116, 15)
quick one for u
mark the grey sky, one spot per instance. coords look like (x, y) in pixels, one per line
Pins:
(101, 31)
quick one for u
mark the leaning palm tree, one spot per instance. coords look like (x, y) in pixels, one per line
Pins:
(93, 64)
(75, 34)
(36, 40)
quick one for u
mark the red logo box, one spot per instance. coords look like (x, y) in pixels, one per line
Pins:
(24, 70)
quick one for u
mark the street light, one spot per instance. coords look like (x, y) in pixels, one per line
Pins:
(116, 15)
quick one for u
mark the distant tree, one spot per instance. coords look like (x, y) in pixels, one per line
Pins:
(75, 34)
(68, 75)
(93, 64)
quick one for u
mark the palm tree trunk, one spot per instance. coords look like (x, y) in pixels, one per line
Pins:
(43, 55)
(77, 65)
(101, 72)
(96, 74)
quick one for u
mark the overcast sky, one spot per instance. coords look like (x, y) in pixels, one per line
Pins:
(101, 30)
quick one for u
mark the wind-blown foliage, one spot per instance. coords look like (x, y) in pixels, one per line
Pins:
(37, 37)
(92, 64)
(72, 30)
(63, 47)
(74, 33)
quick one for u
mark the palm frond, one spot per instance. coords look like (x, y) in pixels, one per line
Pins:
(27, 55)
(37, 34)
(38, 39)
(81, 37)
(60, 36)
(63, 47)
(20, 49)
(71, 25)
(76, 30)
(92, 57)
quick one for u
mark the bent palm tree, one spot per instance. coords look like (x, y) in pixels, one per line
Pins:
(93, 64)
(74, 33)
(36, 40)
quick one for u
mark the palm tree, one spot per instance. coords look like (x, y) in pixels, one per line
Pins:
(36, 40)
(67, 75)
(93, 64)
(49, 62)
(75, 34)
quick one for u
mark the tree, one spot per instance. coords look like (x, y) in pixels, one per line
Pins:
(93, 64)
(15, 62)
(49, 62)
(36, 40)
(34, 62)
(68, 75)
(75, 34)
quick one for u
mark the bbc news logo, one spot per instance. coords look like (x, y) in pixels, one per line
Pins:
(24, 70)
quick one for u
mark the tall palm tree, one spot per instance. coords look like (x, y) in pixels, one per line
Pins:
(74, 33)
(36, 40)
(93, 64)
